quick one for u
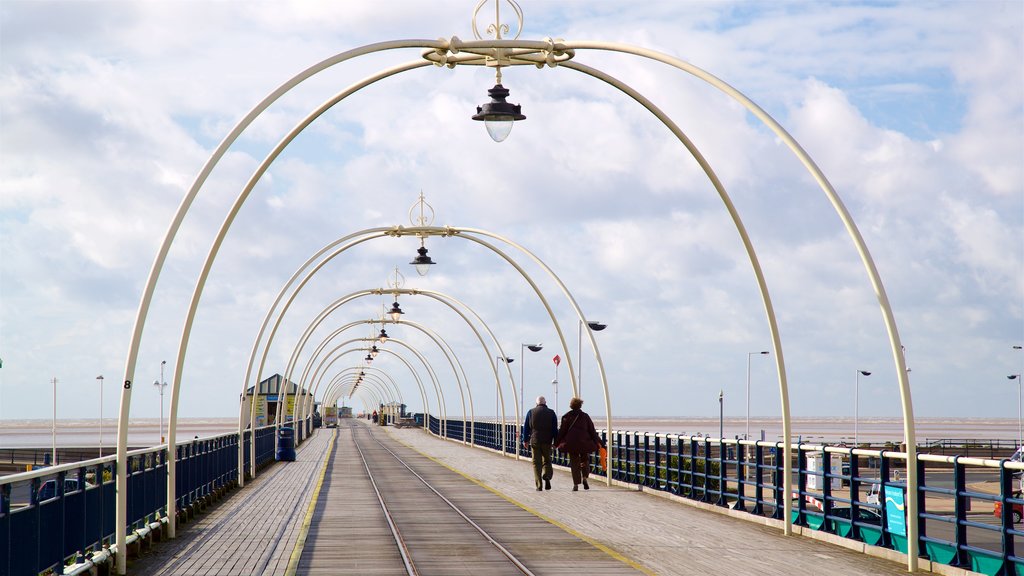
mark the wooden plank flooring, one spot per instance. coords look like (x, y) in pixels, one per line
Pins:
(349, 534)
(250, 533)
(663, 536)
(253, 531)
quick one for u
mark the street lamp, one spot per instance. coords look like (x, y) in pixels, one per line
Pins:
(374, 351)
(596, 327)
(498, 115)
(1020, 382)
(160, 385)
(721, 414)
(522, 351)
(53, 430)
(396, 312)
(746, 436)
(506, 360)
(100, 378)
(422, 262)
(856, 401)
(383, 336)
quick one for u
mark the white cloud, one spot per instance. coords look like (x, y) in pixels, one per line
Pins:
(913, 112)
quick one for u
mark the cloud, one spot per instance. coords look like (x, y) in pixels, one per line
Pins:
(913, 112)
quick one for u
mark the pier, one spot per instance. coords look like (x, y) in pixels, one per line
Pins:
(372, 499)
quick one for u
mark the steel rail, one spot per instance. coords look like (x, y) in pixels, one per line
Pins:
(511, 557)
(403, 549)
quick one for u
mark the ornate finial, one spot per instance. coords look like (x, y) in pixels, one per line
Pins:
(396, 281)
(497, 30)
(424, 208)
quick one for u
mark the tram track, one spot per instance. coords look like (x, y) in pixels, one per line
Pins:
(401, 521)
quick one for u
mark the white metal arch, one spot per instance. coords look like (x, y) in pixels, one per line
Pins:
(446, 53)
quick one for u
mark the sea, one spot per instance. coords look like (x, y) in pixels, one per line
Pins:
(147, 431)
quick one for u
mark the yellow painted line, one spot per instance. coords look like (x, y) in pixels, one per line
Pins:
(609, 551)
(300, 542)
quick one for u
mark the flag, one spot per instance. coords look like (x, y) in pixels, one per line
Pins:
(557, 360)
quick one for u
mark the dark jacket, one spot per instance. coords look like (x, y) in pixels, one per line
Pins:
(540, 426)
(578, 434)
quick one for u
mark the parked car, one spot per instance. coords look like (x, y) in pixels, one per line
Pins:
(864, 515)
(48, 489)
(1018, 509)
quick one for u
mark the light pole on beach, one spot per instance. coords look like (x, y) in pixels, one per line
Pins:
(100, 378)
(522, 351)
(1020, 383)
(746, 436)
(721, 414)
(856, 401)
(160, 385)
(53, 430)
(596, 327)
(497, 415)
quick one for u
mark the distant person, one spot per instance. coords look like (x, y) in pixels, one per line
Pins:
(375, 416)
(578, 437)
(539, 431)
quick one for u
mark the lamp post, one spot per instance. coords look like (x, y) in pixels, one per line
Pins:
(522, 351)
(500, 417)
(856, 402)
(53, 429)
(746, 436)
(160, 385)
(1020, 382)
(721, 414)
(596, 327)
(100, 378)
(554, 383)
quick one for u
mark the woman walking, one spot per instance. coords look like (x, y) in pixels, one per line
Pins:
(578, 437)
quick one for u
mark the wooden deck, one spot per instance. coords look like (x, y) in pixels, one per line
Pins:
(251, 532)
(270, 525)
(349, 533)
(319, 515)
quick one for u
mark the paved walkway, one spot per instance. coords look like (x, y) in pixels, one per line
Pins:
(253, 531)
(663, 536)
(256, 529)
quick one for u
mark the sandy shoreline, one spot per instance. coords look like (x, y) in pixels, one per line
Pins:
(145, 431)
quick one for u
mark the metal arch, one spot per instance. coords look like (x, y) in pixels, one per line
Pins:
(317, 375)
(440, 296)
(460, 381)
(751, 255)
(270, 338)
(326, 312)
(372, 374)
(426, 364)
(323, 344)
(334, 389)
(121, 513)
(443, 46)
(338, 391)
(416, 376)
(851, 227)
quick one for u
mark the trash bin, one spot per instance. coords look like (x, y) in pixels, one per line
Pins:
(286, 444)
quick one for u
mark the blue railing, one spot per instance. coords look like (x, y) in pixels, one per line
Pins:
(956, 522)
(62, 515)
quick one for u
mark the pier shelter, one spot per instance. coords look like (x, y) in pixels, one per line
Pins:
(268, 394)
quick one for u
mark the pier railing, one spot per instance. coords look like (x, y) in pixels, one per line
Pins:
(59, 517)
(855, 494)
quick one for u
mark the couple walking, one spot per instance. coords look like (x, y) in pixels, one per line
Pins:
(576, 436)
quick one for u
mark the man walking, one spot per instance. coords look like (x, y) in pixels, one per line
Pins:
(539, 432)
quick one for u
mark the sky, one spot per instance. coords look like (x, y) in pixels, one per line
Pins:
(913, 110)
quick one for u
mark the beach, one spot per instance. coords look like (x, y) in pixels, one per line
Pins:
(146, 431)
